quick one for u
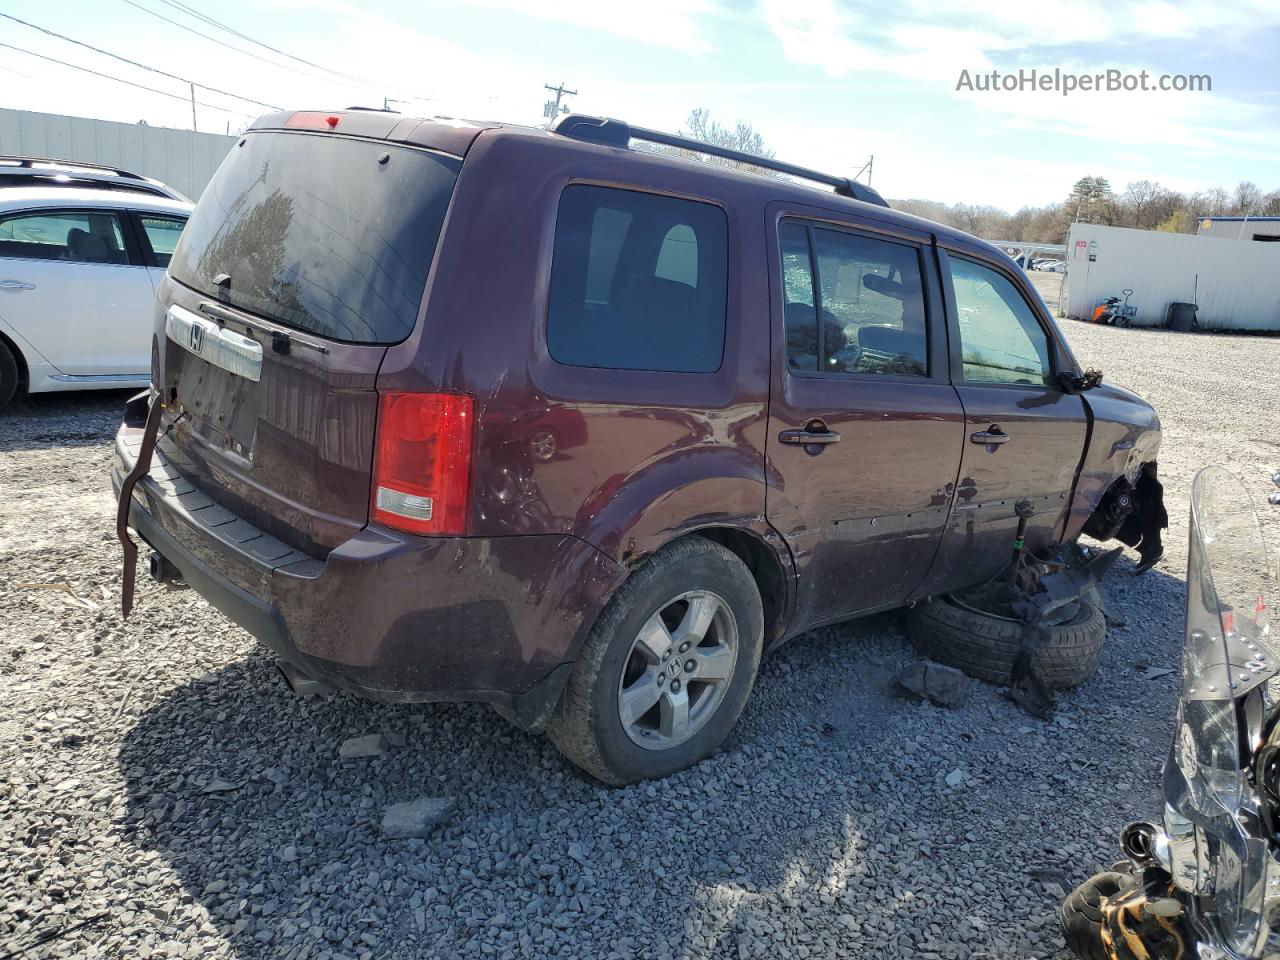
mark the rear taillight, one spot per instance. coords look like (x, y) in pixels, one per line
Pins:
(422, 462)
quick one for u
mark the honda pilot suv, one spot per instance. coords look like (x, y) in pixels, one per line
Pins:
(455, 411)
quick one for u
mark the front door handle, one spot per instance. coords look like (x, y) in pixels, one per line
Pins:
(16, 285)
(990, 436)
(806, 437)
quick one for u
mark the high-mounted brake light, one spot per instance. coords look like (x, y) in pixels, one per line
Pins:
(422, 462)
(312, 120)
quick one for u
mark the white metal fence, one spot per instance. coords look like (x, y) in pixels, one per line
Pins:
(1236, 283)
(183, 159)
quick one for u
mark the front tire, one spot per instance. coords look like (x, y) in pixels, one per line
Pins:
(666, 670)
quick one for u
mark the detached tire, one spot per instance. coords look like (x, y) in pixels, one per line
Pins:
(8, 375)
(666, 670)
(985, 647)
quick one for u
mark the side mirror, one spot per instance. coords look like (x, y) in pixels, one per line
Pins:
(1079, 382)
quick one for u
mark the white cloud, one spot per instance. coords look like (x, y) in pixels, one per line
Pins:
(665, 23)
(905, 39)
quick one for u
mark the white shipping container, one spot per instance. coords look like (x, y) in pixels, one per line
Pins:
(1236, 283)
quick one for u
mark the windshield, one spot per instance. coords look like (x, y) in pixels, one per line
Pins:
(323, 233)
(1228, 657)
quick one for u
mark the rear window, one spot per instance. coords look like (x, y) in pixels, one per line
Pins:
(637, 281)
(321, 233)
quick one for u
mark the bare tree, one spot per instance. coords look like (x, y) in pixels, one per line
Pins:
(742, 136)
(1247, 199)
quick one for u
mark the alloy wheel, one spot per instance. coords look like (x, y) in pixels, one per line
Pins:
(678, 670)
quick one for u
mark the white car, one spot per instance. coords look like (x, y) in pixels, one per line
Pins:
(37, 172)
(78, 269)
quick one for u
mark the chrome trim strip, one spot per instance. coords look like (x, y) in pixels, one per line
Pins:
(101, 377)
(207, 340)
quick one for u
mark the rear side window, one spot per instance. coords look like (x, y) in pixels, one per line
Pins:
(637, 282)
(87, 237)
(323, 233)
(865, 314)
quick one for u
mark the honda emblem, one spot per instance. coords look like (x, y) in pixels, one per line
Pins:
(196, 337)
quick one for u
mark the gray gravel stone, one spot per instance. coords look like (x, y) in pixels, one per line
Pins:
(417, 818)
(827, 803)
(372, 745)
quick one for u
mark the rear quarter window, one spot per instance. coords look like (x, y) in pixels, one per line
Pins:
(638, 281)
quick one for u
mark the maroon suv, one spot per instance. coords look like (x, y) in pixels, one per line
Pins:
(455, 411)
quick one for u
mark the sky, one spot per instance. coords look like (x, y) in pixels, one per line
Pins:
(827, 83)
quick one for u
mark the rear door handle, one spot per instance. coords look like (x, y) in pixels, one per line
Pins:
(16, 285)
(992, 435)
(806, 437)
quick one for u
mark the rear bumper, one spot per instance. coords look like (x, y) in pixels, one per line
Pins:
(387, 615)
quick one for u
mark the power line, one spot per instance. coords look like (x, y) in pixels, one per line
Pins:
(141, 66)
(222, 43)
(193, 12)
(130, 83)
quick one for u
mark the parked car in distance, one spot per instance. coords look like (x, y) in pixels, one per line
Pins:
(78, 275)
(1052, 266)
(37, 172)
(455, 411)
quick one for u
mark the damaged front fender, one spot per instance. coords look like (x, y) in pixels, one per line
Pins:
(1133, 512)
(1118, 493)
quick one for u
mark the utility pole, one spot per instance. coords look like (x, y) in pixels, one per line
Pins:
(193, 107)
(866, 168)
(551, 109)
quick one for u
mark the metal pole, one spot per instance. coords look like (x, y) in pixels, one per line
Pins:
(559, 91)
(193, 108)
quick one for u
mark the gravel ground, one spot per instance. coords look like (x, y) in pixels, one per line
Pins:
(162, 795)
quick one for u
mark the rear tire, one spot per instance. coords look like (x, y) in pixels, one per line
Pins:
(646, 642)
(8, 375)
(985, 647)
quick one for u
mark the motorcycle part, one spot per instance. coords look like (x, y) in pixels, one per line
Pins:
(1138, 843)
(1118, 915)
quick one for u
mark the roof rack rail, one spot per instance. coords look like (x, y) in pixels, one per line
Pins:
(31, 163)
(618, 133)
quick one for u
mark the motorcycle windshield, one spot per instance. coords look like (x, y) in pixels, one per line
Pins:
(1219, 847)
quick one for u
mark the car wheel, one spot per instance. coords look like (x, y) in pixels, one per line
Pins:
(986, 646)
(8, 376)
(543, 444)
(666, 670)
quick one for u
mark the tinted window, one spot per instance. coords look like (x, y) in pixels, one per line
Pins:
(163, 234)
(80, 237)
(868, 314)
(317, 232)
(1000, 339)
(637, 282)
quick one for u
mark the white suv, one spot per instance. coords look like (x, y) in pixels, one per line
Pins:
(78, 269)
